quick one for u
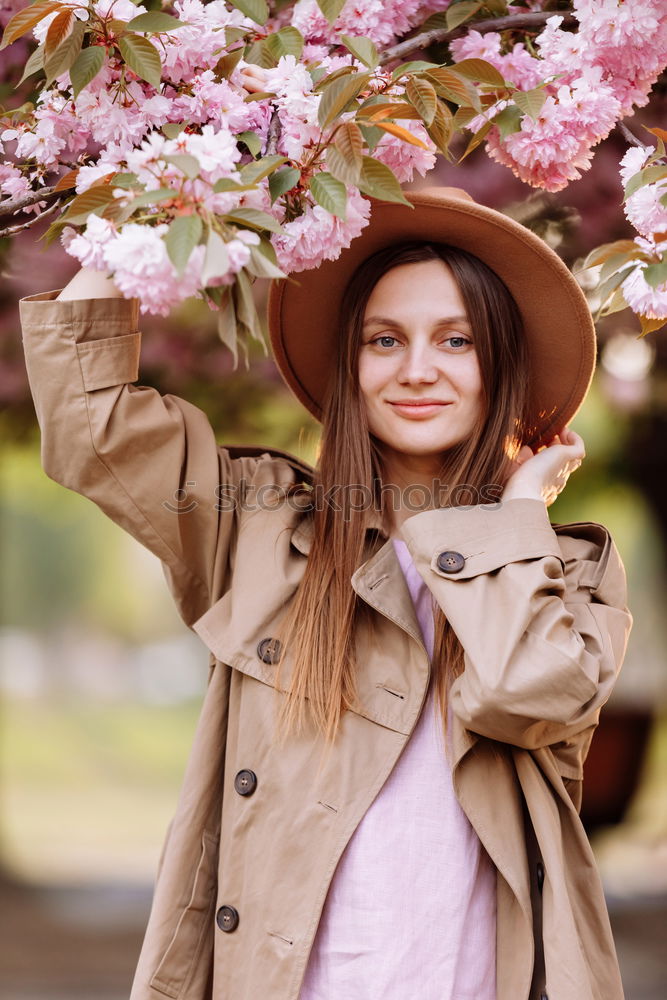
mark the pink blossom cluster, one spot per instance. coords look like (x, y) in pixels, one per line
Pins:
(117, 131)
(597, 75)
(649, 217)
(383, 21)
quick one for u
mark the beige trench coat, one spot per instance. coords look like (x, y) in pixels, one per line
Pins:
(540, 610)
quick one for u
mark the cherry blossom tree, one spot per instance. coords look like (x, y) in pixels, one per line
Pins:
(193, 148)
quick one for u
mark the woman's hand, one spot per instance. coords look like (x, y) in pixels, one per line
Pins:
(543, 474)
(254, 78)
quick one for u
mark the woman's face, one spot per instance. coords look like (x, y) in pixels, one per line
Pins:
(418, 369)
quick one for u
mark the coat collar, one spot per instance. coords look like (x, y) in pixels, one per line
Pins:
(380, 582)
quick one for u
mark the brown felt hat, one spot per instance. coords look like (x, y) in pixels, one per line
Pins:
(304, 311)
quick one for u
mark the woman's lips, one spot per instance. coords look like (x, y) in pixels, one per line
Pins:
(418, 409)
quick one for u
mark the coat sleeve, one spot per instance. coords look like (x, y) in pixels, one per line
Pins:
(540, 611)
(149, 461)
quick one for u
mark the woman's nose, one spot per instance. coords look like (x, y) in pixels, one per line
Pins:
(417, 365)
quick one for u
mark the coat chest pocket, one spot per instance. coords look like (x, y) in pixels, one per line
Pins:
(182, 958)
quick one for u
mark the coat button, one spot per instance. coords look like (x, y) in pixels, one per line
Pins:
(227, 918)
(451, 562)
(540, 875)
(245, 782)
(268, 650)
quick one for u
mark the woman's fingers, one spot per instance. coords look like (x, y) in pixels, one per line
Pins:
(254, 78)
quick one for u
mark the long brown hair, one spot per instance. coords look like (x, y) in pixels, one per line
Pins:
(319, 626)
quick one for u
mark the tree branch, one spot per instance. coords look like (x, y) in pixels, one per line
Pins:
(531, 20)
(12, 205)
(33, 220)
(628, 135)
(274, 133)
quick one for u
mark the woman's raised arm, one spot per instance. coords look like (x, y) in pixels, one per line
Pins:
(149, 461)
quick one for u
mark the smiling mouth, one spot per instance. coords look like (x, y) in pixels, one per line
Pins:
(418, 407)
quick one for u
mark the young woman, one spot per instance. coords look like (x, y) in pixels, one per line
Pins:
(408, 660)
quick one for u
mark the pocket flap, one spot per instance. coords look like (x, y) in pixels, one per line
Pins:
(112, 361)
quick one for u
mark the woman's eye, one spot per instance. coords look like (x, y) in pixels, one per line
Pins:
(457, 341)
(381, 340)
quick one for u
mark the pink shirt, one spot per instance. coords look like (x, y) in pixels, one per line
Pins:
(411, 908)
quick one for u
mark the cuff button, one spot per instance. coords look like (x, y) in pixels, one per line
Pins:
(451, 562)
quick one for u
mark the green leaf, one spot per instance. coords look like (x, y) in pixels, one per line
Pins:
(508, 120)
(26, 19)
(81, 206)
(614, 263)
(182, 237)
(328, 78)
(378, 181)
(152, 197)
(463, 116)
(258, 169)
(481, 71)
(262, 95)
(337, 95)
(417, 66)
(227, 330)
(442, 128)
(258, 54)
(173, 129)
(605, 289)
(476, 140)
(66, 54)
(344, 158)
(350, 142)
(234, 34)
(126, 179)
(228, 184)
(656, 274)
(454, 88)
(254, 219)
(331, 8)
(34, 63)
(530, 101)
(156, 22)
(246, 310)
(142, 57)
(649, 175)
(261, 265)
(286, 42)
(282, 181)
(603, 253)
(86, 67)
(256, 10)
(423, 98)
(362, 48)
(372, 135)
(252, 141)
(329, 193)
(186, 163)
(434, 22)
(216, 259)
(226, 65)
(344, 170)
(460, 12)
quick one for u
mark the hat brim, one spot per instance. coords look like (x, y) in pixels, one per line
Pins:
(303, 312)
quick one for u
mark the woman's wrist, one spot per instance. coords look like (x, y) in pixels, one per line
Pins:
(522, 494)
